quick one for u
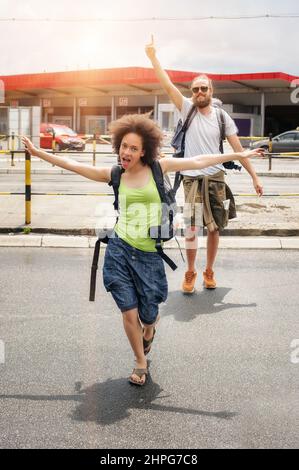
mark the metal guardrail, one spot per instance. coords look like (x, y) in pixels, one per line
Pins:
(94, 153)
(12, 140)
(12, 148)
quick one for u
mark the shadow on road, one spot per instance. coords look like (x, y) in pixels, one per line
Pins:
(111, 401)
(187, 307)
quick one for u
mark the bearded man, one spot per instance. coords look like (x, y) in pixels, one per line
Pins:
(206, 187)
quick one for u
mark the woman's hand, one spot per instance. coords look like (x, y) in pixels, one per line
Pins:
(29, 145)
(252, 153)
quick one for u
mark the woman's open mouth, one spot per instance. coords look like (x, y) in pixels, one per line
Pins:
(125, 162)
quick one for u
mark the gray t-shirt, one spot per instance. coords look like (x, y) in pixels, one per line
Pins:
(203, 136)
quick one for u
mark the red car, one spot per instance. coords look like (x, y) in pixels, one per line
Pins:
(65, 138)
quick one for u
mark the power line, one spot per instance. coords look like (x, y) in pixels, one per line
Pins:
(154, 18)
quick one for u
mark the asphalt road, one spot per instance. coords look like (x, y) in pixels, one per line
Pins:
(221, 371)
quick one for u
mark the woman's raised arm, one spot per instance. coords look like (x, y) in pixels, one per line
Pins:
(202, 161)
(88, 171)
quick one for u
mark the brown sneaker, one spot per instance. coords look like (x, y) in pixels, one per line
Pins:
(189, 281)
(208, 279)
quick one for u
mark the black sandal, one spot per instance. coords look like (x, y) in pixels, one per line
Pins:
(140, 373)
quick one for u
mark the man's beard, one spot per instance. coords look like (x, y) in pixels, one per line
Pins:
(202, 103)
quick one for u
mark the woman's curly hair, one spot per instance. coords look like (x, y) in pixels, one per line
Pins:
(143, 126)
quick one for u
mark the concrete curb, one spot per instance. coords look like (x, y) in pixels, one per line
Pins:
(239, 243)
(90, 232)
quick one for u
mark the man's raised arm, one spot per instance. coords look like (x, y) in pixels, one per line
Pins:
(174, 94)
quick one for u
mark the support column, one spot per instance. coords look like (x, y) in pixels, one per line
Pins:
(113, 109)
(156, 105)
(41, 110)
(262, 114)
(78, 119)
(74, 115)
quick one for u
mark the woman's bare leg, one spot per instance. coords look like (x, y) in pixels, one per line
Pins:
(149, 329)
(134, 332)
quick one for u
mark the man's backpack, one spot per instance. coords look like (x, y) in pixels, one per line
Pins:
(178, 140)
(164, 232)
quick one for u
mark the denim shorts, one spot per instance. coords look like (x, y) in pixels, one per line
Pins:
(135, 278)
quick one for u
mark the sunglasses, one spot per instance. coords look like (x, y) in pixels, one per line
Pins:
(196, 89)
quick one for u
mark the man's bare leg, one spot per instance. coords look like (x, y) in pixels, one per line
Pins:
(191, 244)
(212, 248)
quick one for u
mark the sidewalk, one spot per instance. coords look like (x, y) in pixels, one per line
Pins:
(83, 215)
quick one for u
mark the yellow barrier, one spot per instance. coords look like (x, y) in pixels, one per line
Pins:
(27, 188)
(12, 148)
(253, 138)
(108, 137)
(294, 154)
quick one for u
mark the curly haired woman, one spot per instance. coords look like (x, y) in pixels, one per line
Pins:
(133, 271)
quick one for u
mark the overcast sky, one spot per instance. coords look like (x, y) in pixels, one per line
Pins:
(223, 46)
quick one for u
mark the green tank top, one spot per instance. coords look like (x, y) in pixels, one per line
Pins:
(139, 209)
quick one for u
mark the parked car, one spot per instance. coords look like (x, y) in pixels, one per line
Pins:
(285, 142)
(65, 138)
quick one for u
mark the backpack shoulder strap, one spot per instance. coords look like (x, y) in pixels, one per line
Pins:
(116, 172)
(190, 116)
(221, 124)
(159, 179)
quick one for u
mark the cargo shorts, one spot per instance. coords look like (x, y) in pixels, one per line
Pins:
(221, 202)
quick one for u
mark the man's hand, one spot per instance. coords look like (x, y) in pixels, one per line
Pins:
(255, 180)
(258, 186)
(150, 49)
(174, 93)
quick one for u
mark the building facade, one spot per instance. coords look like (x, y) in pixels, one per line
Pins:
(88, 100)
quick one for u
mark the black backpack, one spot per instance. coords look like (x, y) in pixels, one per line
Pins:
(161, 233)
(231, 165)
